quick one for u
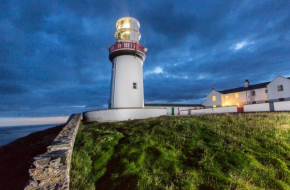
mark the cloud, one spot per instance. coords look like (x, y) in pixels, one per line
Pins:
(241, 45)
(156, 70)
(54, 61)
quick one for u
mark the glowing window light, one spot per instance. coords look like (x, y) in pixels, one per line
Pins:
(227, 97)
(214, 106)
(236, 95)
(213, 98)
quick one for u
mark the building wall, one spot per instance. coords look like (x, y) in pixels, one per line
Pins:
(209, 101)
(273, 92)
(127, 69)
(260, 95)
(114, 115)
(231, 100)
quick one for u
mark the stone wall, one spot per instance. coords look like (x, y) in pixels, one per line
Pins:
(51, 169)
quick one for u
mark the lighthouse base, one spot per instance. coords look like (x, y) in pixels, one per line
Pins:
(124, 114)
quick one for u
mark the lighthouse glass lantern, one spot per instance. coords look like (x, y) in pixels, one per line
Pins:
(127, 57)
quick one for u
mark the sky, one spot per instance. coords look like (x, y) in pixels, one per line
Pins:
(54, 60)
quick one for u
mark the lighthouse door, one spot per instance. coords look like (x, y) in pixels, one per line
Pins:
(172, 111)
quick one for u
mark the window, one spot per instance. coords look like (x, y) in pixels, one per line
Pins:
(134, 85)
(227, 97)
(214, 106)
(254, 102)
(213, 98)
(253, 93)
(266, 91)
(280, 87)
(236, 95)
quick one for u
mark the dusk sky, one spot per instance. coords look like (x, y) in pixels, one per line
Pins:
(54, 61)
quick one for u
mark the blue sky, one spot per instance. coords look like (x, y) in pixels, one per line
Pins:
(54, 61)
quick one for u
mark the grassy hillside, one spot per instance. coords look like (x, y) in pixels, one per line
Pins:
(242, 151)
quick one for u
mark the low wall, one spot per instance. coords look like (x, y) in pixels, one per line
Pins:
(282, 106)
(51, 169)
(231, 109)
(114, 115)
(257, 107)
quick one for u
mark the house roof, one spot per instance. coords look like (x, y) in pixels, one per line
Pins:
(240, 89)
(174, 105)
(251, 87)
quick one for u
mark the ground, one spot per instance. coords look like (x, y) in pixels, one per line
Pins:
(232, 151)
(15, 157)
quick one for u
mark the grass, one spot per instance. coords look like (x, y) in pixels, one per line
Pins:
(241, 151)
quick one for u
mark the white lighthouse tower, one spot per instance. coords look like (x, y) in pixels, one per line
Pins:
(127, 92)
(127, 57)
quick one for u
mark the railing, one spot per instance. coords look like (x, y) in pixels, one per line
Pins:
(127, 45)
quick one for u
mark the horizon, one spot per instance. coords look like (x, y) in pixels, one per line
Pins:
(27, 121)
(55, 63)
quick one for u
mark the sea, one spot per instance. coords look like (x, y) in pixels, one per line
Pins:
(9, 134)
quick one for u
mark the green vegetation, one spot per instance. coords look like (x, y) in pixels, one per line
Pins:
(241, 151)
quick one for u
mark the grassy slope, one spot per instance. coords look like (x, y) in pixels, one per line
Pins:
(244, 151)
(15, 157)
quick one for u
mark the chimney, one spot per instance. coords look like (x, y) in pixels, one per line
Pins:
(247, 83)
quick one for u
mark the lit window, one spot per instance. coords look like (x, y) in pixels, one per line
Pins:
(214, 106)
(214, 98)
(227, 97)
(280, 87)
(253, 93)
(236, 95)
(134, 85)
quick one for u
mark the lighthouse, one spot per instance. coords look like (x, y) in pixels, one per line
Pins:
(127, 93)
(127, 57)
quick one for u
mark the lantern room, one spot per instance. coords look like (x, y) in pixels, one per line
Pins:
(127, 29)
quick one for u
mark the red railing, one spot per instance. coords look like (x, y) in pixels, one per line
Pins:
(127, 45)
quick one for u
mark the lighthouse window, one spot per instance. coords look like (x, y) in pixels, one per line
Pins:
(134, 85)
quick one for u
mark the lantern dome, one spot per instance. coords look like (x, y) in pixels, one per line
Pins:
(127, 29)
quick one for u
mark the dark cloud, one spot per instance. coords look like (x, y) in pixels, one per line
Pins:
(54, 61)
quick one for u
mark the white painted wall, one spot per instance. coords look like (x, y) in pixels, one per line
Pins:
(231, 100)
(177, 110)
(209, 103)
(231, 109)
(260, 97)
(282, 106)
(126, 70)
(257, 107)
(274, 94)
(114, 115)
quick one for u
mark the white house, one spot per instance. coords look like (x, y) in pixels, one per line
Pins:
(213, 99)
(277, 90)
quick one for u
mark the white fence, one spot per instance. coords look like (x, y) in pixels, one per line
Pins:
(231, 109)
(266, 107)
(257, 107)
(282, 106)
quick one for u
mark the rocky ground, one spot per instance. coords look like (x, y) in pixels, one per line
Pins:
(15, 157)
